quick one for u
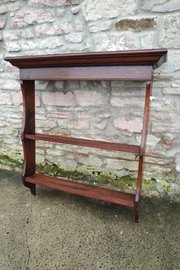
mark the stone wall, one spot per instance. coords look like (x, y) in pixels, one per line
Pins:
(100, 110)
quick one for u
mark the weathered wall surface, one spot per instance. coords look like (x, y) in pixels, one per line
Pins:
(101, 110)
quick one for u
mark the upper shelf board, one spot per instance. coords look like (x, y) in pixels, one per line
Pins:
(150, 57)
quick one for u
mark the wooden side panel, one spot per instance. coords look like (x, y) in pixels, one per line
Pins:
(132, 73)
(142, 148)
(145, 117)
(28, 92)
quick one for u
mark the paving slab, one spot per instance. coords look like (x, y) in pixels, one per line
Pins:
(56, 230)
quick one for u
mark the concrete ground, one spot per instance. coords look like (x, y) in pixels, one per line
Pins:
(54, 230)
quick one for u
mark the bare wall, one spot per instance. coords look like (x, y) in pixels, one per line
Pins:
(101, 110)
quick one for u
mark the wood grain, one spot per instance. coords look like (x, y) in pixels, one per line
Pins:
(148, 57)
(28, 93)
(85, 142)
(90, 191)
(126, 73)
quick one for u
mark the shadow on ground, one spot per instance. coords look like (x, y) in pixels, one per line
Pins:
(54, 230)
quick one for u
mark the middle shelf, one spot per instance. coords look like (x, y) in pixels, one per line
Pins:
(112, 146)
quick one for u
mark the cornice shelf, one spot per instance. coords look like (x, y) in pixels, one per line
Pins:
(153, 57)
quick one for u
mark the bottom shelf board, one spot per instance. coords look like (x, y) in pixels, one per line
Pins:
(95, 192)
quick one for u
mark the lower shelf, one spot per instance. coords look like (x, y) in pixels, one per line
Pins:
(94, 192)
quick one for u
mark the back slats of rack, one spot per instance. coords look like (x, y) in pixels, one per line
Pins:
(85, 142)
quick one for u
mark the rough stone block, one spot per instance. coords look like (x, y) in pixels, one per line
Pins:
(79, 25)
(119, 101)
(104, 115)
(175, 83)
(94, 9)
(60, 12)
(22, 19)
(171, 126)
(73, 85)
(17, 99)
(121, 164)
(170, 32)
(5, 99)
(79, 124)
(147, 40)
(66, 27)
(53, 29)
(50, 42)
(98, 26)
(27, 44)
(158, 160)
(68, 164)
(9, 35)
(90, 161)
(8, 131)
(178, 162)
(112, 41)
(10, 84)
(172, 90)
(48, 2)
(18, 34)
(75, 10)
(134, 125)
(82, 114)
(100, 125)
(74, 37)
(89, 98)
(59, 85)
(160, 5)
(47, 29)
(3, 123)
(46, 125)
(136, 24)
(8, 7)
(75, 2)
(157, 168)
(2, 21)
(61, 115)
(86, 45)
(41, 85)
(12, 46)
(11, 112)
(168, 138)
(58, 99)
(127, 92)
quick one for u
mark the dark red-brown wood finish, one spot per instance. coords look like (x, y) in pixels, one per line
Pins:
(118, 58)
(136, 65)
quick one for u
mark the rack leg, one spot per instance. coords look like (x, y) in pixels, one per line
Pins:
(28, 93)
(142, 148)
(31, 186)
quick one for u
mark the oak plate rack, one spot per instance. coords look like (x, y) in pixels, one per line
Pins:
(132, 65)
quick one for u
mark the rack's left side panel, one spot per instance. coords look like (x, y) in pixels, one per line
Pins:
(28, 93)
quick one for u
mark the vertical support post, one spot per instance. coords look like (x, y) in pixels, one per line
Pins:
(142, 148)
(28, 93)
